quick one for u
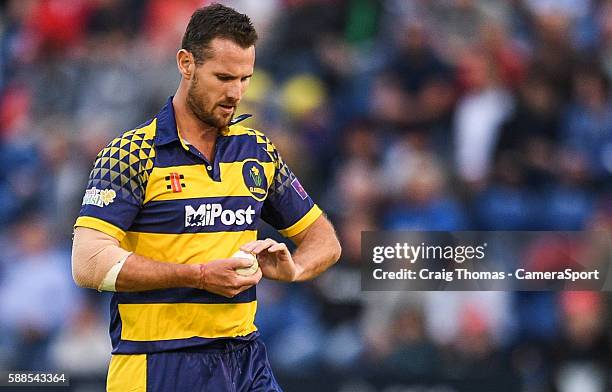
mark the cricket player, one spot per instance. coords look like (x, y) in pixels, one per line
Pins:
(166, 207)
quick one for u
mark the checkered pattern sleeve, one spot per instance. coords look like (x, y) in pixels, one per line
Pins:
(288, 207)
(117, 183)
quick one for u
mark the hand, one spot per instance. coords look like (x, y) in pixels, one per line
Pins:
(220, 277)
(274, 259)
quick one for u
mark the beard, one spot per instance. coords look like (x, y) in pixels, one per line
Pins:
(197, 104)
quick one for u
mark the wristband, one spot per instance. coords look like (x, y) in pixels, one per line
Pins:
(108, 283)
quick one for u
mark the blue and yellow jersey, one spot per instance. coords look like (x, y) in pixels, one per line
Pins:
(161, 199)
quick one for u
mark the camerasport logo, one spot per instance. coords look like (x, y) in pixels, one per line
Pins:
(99, 197)
(211, 214)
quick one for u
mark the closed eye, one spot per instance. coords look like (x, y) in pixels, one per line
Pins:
(229, 78)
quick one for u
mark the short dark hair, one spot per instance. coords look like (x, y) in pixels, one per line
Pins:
(216, 21)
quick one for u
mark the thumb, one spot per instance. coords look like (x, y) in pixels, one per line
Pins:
(241, 262)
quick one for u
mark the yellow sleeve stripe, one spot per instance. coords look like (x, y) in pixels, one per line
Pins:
(303, 223)
(100, 225)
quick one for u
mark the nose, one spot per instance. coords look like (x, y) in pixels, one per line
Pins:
(234, 91)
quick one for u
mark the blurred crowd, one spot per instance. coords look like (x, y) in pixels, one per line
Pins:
(395, 114)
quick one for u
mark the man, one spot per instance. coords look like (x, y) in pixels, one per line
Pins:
(170, 202)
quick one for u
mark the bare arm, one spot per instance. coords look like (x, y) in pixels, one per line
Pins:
(318, 249)
(94, 254)
(140, 273)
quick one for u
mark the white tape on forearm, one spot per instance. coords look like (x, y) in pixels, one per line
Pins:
(108, 283)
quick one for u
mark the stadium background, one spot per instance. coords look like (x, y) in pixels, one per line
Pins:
(395, 114)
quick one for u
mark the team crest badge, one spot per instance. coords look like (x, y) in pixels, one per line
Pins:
(255, 179)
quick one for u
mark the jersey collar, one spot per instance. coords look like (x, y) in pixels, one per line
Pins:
(166, 124)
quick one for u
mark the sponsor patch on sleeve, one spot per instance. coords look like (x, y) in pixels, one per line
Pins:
(299, 188)
(99, 197)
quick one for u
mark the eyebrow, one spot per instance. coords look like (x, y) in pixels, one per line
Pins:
(226, 75)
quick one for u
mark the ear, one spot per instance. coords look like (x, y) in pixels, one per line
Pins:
(185, 63)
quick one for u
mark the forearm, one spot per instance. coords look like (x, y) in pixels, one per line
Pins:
(140, 273)
(318, 249)
(95, 254)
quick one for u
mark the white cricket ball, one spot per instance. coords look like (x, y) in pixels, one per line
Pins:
(246, 271)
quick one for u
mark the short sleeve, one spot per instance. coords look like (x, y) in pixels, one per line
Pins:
(288, 207)
(117, 183)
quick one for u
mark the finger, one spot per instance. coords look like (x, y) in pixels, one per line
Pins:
(278, 247)
(234, 262)
(264, 245)
(248, 280)
(243, 288)
(228, 294)
(240, 262)
(256, 277)
(255, 245)
(249, 246)
(258, 274)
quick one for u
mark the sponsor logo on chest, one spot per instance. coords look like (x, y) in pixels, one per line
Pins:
(212, 213)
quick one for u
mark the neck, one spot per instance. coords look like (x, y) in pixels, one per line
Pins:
(191, 128)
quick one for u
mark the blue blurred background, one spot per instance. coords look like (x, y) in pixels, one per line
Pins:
(395, 114)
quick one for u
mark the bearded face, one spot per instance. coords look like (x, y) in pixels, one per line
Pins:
(218, 83)
(204, 109)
